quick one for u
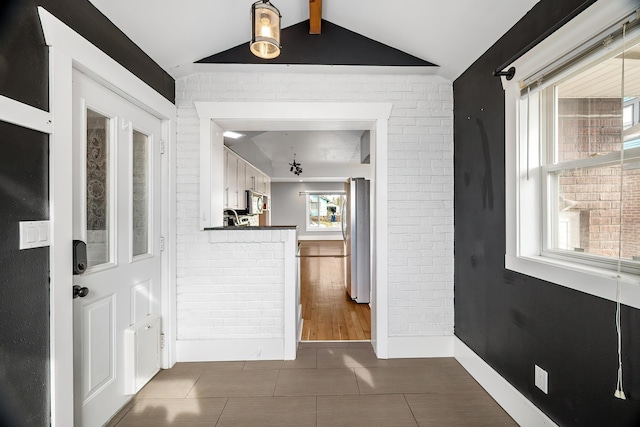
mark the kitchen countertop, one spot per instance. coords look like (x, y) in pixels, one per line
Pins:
(244, 227)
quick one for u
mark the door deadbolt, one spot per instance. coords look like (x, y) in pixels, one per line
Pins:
(79, 257)
(80, 291)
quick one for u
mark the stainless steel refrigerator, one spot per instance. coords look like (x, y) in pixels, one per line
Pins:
(356, 222)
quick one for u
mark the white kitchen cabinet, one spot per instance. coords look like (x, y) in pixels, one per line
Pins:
(251, 176)
(231, 179)
(267, 185)
(264, 184)
(260, 182)
(240, 176)
(234, 184)
(242, 183)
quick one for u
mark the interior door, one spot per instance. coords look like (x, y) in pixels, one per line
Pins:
(116, 211)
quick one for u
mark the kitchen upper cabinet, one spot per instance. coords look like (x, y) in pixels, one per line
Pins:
(231, 179)
(251, 175)
(240, 176)
(242, 183)
(267, 185)
(235, 180)
(257, 181)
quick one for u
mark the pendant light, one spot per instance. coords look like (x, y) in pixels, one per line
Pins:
(265, 30)
(295, 167)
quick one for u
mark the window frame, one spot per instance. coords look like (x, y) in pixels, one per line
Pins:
(524, 222)
(548, 100)
(309, 194)
(610, 159)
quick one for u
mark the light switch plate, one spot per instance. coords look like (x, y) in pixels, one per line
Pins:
(542, 379)
(34, 234)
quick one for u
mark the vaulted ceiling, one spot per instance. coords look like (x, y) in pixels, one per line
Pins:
(451, 34)
(416, 36)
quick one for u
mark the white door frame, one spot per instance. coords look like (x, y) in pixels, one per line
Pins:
(69, 50)
(318, 116)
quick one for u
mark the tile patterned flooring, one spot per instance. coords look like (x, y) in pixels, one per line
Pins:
(330, 384)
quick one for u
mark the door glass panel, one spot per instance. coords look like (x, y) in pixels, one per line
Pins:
(140, 180)
(98, 191)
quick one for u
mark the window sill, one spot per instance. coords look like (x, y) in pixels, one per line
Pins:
(323, 230)
(593, 281)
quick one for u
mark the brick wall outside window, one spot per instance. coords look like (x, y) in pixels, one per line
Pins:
(589, 127)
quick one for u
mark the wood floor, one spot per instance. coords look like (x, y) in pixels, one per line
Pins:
(328, 312)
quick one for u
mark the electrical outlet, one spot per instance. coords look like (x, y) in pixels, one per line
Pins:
(542, 379)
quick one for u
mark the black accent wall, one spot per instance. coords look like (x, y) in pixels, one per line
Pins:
(24, 193)
(24, 66)
(24, 284)
(514, 321)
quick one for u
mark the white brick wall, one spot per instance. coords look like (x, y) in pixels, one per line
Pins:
(231, 285)
(420, 207)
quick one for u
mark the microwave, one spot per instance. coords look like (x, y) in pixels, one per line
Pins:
(255, 202)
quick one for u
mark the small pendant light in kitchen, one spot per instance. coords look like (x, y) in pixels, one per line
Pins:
(265, 31)
(296, 168)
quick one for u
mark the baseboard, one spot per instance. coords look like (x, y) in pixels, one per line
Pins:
(300, 323)
(525, 413)
(230, 349)
(411, 347)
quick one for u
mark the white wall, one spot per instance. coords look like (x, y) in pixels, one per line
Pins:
(289, 208)
(237, 296)
(420, 167)
(232, 286)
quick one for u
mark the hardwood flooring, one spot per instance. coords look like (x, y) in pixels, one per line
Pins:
(329, 313)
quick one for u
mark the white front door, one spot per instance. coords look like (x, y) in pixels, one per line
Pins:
(116, 211)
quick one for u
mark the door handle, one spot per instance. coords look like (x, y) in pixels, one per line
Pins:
(80, 291)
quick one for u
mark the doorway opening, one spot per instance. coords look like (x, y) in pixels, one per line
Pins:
(328, 312)
(216, 117)
(326, 194)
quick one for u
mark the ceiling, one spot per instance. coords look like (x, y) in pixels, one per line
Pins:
(452, 34)
(325, 155)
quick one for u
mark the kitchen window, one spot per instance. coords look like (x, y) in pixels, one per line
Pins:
(324, 211)
(573, 155)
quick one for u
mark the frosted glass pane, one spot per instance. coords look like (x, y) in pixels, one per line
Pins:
(98, 191)
(140, 180)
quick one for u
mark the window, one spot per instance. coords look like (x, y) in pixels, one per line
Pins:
(573, 155)
(324, 211)
(589, 176)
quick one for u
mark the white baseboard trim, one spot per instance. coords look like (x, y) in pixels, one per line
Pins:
(300, 323)
(525, 413)
(228, 350)
(411, 347)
